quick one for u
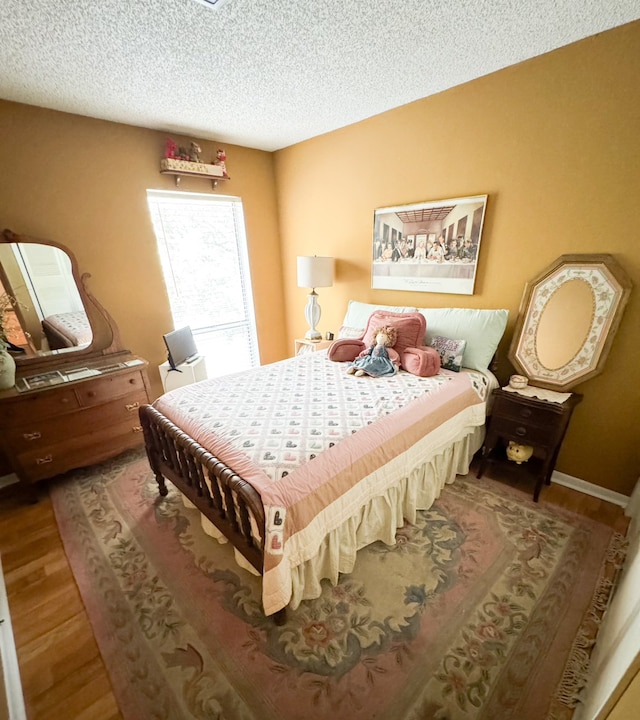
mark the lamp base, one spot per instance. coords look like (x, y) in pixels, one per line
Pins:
(312, 314)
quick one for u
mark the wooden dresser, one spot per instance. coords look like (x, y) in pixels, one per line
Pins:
(73, 417)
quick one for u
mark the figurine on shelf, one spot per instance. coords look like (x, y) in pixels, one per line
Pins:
(221, 160)
(170, 149)
(194, 153)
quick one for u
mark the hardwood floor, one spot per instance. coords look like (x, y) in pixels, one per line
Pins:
(62, 672)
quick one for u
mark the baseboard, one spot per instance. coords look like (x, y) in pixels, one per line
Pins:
(7, 480)
(589, 488)
(11, 698)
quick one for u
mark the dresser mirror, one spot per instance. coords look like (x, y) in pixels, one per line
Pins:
(568, 318)
(54, 319)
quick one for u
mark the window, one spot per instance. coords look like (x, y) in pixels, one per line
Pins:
(203, 251)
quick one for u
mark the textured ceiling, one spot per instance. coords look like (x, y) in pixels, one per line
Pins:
(270, 73)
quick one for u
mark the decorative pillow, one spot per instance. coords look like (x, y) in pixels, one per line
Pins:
(482, 329)
(345, 349)
(410, 327)
(350, 333)
(422, 361)
(358, 313)
(450, 351)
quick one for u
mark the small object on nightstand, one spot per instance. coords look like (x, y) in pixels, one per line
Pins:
(517, 382)
(528, 419)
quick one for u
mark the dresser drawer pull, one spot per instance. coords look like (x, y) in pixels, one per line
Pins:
(132, 406)
(65, 400)
(526, 412)
(44, 460)
(520, 431)
(32, 436)
(136, 428)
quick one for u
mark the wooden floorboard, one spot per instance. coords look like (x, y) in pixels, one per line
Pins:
(63, 674)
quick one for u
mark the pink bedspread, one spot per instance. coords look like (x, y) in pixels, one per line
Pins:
(317, 443)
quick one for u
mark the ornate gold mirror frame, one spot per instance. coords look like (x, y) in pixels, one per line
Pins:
(568, 318)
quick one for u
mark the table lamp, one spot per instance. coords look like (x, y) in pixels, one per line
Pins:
(314, 272)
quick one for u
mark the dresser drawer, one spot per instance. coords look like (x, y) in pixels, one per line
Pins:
(107, 387)
(47, 403)
(45, 432)
(81, 450)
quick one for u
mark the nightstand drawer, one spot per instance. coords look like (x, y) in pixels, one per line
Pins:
(524, 433)
(525, 412)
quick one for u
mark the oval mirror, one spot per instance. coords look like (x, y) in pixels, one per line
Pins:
(568, 317)
(46, 311)
(561, 334)
(48, 314)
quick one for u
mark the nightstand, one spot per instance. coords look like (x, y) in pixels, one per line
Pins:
(542, 424)
(185, 374)
(303, 346)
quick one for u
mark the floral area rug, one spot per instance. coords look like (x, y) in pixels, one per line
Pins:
(471, 615)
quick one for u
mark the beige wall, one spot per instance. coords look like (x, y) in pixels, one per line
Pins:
(83, 182)
(627, 707)
(554, 142)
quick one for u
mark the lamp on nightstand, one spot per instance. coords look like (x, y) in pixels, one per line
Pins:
(314, 272)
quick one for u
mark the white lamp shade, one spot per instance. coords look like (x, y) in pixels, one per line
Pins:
(314, 272)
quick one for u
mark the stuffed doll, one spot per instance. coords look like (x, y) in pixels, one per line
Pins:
(408, 352)
(380, 359)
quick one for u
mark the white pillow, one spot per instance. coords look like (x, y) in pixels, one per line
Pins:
(482, 330)
(358, 313)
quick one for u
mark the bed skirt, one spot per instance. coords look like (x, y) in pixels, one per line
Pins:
(379, 519)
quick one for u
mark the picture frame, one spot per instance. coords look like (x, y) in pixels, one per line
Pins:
(428, 246)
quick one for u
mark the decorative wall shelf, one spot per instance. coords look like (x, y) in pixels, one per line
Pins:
(179, 168)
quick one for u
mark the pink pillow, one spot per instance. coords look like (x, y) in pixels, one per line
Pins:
(410, 327)
(424, 361)
(345, 349)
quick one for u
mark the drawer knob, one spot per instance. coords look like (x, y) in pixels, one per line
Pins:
(64, 400)
(520, 431)
(132, 406)
(136, 428)
(91, 393)
(132, 381)
(526, 412)
(44, 460)
(32, 436)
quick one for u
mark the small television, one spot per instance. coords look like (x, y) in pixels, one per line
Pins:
(181, 347)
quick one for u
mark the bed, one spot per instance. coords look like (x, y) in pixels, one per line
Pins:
(65, 330)
(299, 464)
